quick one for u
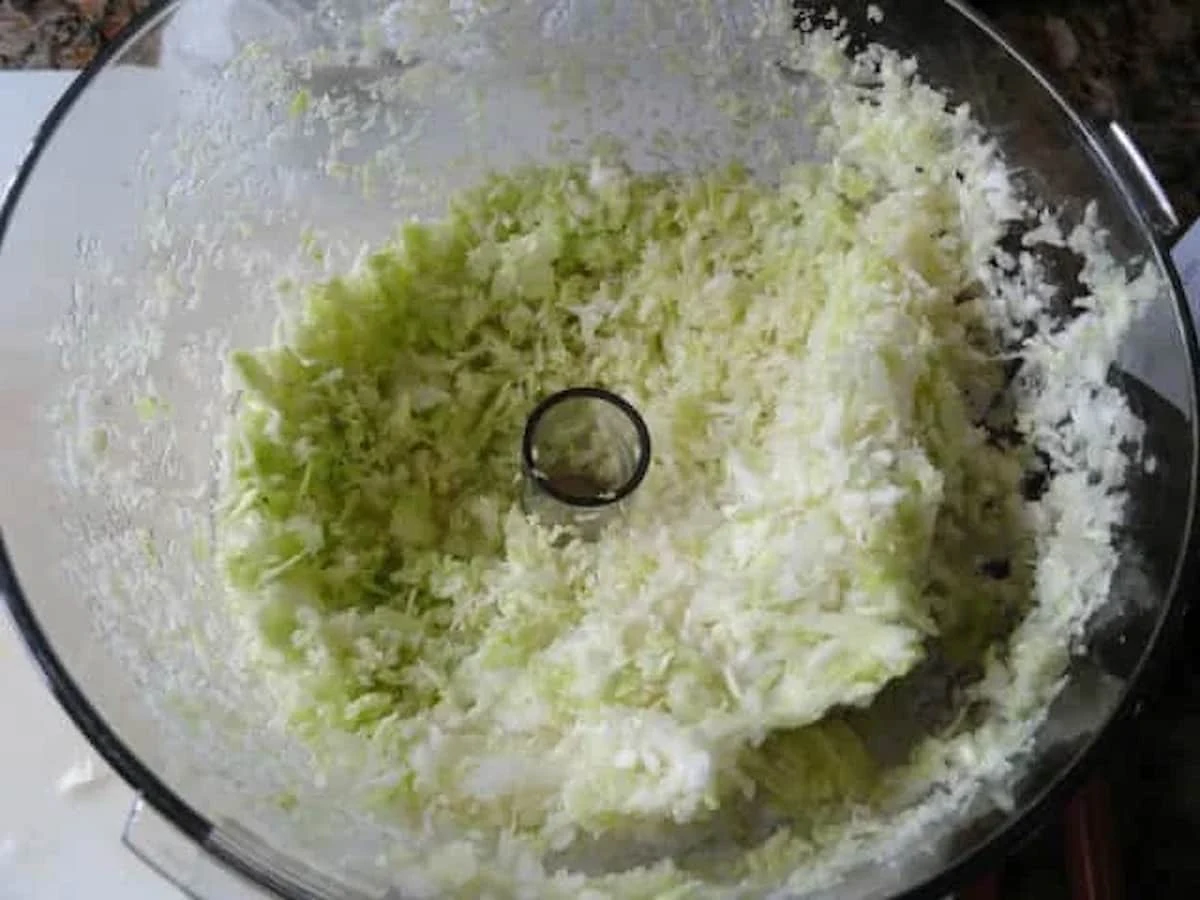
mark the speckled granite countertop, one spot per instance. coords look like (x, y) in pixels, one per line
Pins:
(59, 34)
(1137, 61)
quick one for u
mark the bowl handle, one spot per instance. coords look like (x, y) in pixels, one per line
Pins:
(181, 861)
(220, 868)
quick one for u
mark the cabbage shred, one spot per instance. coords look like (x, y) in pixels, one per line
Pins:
(800, 385)
(819, 361)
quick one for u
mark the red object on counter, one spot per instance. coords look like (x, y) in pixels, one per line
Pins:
(986, 888)
(1092, 856)
(1093, 860)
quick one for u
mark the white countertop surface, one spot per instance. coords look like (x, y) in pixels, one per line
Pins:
(54, 845)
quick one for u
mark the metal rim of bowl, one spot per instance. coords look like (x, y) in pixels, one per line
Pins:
(973, 861)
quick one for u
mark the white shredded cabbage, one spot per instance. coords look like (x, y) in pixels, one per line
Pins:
(772, 566)
(82, 774)
(827, 507)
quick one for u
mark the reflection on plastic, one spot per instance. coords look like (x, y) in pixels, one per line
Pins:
(1186, 255)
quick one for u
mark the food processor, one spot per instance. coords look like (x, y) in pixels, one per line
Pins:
(162, 212)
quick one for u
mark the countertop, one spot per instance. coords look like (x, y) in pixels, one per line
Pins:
(1135, 60)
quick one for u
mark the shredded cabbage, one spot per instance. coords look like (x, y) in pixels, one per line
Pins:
(827, 506)
(800, 387)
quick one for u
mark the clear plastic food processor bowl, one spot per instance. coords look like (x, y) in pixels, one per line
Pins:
(181, 177)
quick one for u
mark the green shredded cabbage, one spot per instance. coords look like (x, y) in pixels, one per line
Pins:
(800, 373)
(721, 695)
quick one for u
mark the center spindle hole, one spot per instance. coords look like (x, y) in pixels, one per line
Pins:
(585, 447)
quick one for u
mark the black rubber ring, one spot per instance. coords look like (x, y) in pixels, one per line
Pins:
(529, 466)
